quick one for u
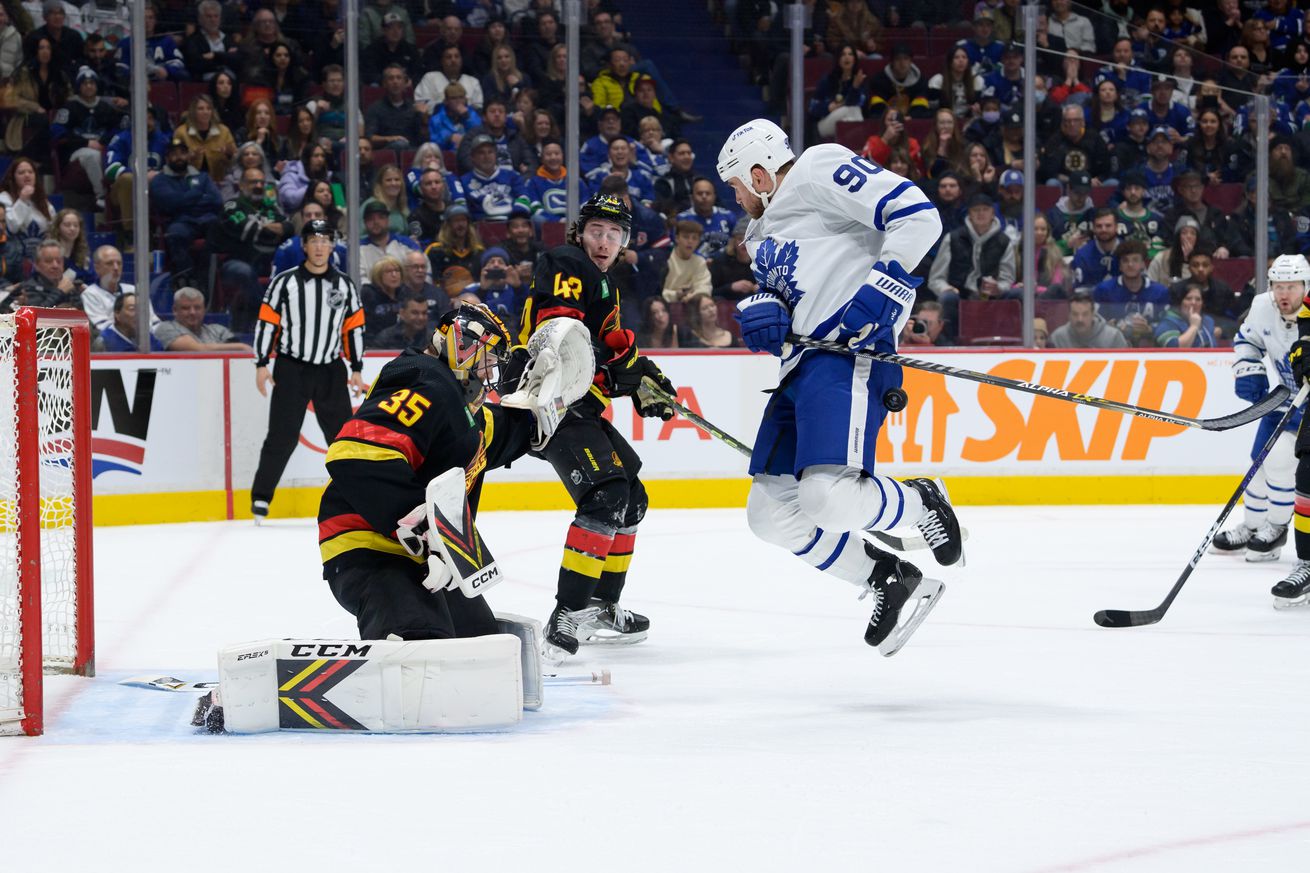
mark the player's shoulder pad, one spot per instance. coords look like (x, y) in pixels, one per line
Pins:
(419, 372)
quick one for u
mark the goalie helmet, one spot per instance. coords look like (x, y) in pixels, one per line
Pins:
(1290, 268)
(758, 143)
(475, 344)
(602, 207)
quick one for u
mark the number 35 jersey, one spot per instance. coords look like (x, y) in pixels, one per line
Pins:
(413, 425)
(833, 217)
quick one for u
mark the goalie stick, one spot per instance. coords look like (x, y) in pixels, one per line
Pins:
(1254, 412)
(1131, 618)
(652, 389)
(172, 683)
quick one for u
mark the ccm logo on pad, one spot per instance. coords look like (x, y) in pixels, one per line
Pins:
(484, 577)
(328, 650)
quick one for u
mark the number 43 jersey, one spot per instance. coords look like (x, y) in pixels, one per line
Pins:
(567, 284)
(833, 217)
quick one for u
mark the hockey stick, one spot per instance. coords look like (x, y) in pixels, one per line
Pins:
(172, 683)
(1251, 413)
(1129, 618)
(652, 389)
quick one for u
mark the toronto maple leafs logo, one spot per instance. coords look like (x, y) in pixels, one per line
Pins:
(775, 269)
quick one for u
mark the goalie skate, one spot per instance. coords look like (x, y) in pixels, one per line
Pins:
(902, 600)
(612, 625)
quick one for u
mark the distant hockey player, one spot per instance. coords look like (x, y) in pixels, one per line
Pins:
(594, 462)
(1269, 331)
(833, 238)
(423, 416)
(1295, 589)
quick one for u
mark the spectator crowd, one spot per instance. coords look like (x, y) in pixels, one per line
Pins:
(1144, 172)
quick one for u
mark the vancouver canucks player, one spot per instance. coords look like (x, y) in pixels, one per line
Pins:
(833, 238)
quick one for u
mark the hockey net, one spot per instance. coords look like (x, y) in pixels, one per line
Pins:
(46, 611)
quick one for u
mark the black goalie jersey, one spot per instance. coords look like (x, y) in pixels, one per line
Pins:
(413, 426)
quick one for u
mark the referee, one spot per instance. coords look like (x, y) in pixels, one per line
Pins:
(310, 313)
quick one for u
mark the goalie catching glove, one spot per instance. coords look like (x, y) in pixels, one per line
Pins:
(558, 372)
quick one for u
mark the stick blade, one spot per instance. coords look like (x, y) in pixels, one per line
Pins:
(1254, 412)
(1125, 618)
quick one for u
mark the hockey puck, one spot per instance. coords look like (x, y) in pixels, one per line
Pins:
(895, 399)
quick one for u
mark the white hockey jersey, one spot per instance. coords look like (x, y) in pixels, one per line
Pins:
(834, 215)
(1265, 333)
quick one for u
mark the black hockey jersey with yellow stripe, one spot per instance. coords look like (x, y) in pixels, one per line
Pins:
(412, 426)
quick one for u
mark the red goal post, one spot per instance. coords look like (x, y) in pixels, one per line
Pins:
(46, 591)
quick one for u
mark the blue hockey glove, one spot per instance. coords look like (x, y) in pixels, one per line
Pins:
(1252, 382)
(873, 313)
(765, 320)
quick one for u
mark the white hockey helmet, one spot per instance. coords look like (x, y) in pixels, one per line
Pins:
(756, 143)
(1290, 268)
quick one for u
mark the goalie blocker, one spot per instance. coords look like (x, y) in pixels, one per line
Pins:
(389, 686)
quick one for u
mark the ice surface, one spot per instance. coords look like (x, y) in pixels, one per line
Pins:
(753, 731)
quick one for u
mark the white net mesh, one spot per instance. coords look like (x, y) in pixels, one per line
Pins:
(11, 682)
(54, 443)
(58, 531)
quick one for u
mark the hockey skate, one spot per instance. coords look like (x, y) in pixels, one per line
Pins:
(259, 511)
(939, 526)
(209, 713)
(1295, 589)
(612, 625)
(561, 638)
(1267, 542)
(902, 599)
(1232, 542)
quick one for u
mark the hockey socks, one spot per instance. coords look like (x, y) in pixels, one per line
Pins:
(586, 550)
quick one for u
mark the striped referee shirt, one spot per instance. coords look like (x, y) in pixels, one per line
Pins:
(311, 318)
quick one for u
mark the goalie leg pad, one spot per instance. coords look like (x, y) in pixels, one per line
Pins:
(388, 686)
(529, 633)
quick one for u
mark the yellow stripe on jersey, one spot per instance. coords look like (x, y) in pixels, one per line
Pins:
(1304, 311)
(1301, 523)
(491, 425)
(362, 539)
(349, 450)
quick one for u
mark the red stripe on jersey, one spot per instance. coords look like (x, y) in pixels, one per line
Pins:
(622, 544)
(557, 311)
(384, 436)
(588, 542)
(339, 524)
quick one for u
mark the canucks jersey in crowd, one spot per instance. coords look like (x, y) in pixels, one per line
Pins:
(548, 194)
(717, 227)
(493, 196)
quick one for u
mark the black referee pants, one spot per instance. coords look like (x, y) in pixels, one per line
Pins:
(296, 384)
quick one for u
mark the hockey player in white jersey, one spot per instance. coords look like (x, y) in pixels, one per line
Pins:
(833, 238)
(1269, 331)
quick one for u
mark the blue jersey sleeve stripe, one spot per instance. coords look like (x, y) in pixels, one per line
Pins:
(888, 198)
(909, 210)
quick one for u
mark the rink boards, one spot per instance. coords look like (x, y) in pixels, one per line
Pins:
(177, 437)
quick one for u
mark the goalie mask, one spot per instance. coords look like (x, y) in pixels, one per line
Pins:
(475, 344)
